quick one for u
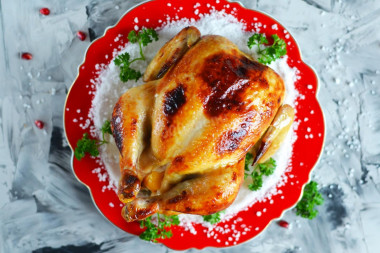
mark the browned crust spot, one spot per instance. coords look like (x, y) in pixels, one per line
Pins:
(174, 100)
(117, 126)
(128, 195)
(227, 77)
(170, 62)
(234, 176)
(133, 125)
(143, 213)
(230, 140)
(178, 198)
(178, 159)
(129, 185)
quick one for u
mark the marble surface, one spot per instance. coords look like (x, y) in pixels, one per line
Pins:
(43, 208)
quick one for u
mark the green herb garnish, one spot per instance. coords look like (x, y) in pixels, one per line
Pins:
(261, 169)
(267, 168)
(86, 145)
(310, 198)
(248, 161)
(106, 128)
(143, 38)
(159, 231)
(213, 218)
(91, 146)
(126, 73)
(257, 181)
(270, 53)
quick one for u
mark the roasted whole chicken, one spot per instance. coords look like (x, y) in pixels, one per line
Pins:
(184, 133)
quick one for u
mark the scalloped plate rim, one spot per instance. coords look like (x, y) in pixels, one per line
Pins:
(316, 98)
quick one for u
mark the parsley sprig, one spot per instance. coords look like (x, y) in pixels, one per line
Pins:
(124, 61)
(269, 53)
(126, 72)
(106, 128)
(159, 231)
(261, 169)
(91, 146)
(310, 198)
(213, 218)
(86, 145)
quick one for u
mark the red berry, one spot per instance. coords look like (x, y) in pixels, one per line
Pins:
(26, 56)
(81, 35)
(40, 124)
(283, 224)
(44, 11)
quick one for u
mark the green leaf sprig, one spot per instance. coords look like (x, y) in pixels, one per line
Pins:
(124, 61)
(213, 218)
(269, 53)
(159, 231)
(91, 146)
(310, 198)
(86, 145)
(106, 128)
(261, 169)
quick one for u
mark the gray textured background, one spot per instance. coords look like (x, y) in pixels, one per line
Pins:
(44, 209)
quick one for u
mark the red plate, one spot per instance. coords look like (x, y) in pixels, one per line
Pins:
(306, 151)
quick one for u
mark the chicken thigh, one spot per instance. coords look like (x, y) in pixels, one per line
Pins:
(184, 134)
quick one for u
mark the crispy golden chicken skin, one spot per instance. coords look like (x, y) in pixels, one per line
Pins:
(184, 134)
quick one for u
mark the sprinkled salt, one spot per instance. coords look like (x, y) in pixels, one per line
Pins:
(275, 27)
